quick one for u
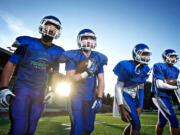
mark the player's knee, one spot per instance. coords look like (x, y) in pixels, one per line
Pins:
(136, 125)
(162, 124)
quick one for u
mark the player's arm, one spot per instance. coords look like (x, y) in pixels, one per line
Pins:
(140, 97)
(100, 90)
(7, 73)
(71, 74)
(118, 95)
(159, 78)
(164, 85)
(119, 98)
(5, 93)
(118, 92)
(100, 85)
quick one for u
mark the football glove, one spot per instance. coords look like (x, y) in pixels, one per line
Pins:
(5, 96)
(49, 98)
(97, 104)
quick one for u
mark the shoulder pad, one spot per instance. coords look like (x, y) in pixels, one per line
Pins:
(70, 55)
(101, 58)
(121, 70)
(22, 41)
(59, 48)
(176, 69)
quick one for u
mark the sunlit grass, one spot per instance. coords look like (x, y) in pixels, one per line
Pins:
(105, 125)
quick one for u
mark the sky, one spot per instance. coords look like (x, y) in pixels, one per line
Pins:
(118, 24)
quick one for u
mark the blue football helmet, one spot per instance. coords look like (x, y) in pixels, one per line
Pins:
(141, 53)
(44, 29)
(167, 56)
(86, 44)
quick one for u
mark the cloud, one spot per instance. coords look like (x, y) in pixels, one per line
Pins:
(16, 27)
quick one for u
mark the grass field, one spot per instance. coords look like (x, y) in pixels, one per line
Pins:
(105, 125)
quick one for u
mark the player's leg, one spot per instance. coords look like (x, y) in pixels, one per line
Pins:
(161, 119)
(88, 117)
(171, 116)
(76, 116)
(127, 130)
(36, 110)
(160, 124)
(19, 111)
(131, 106)
(165, 107)
(174, 131)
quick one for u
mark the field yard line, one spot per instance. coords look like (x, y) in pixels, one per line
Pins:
(66, 124)
(102, 123)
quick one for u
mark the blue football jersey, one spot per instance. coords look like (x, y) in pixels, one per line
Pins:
(125, 70)
(162, 71)
(87, 87)
(34, 62)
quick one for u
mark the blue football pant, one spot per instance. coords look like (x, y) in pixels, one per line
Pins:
(165, 112)
(25, 111)
(82, 117)
(131, 106)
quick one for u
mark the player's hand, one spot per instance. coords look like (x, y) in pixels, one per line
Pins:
(49, 98)
(139, 110)
(5, 96)
(97, 104)
(124, 114)
(91, 67)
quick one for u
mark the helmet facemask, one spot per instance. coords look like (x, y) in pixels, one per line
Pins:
(143, 56)
(172, 58)
(48, 30)
(86, 41)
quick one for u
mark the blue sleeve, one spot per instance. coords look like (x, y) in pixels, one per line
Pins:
(68, 56)
(56, 65)
(19, 52)
(120, 71)
(158, 72)
(141, 95)
(20, 43)
(70, 66)
(101, 70)
(15, 58)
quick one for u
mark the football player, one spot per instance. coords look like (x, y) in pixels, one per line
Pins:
(34, 58)
(162, 90)
(84, 102)
(132, 74)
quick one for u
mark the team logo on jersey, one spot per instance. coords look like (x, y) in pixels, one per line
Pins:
(40, 64)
